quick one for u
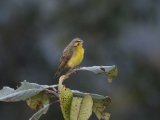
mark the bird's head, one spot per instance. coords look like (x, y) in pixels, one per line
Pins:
(77, 42)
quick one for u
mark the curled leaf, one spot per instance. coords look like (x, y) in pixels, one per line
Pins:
(110, 71)
(25, 91)
(65, 97)
(112, 74)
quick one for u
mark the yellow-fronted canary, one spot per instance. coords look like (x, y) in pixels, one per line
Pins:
(72, 55)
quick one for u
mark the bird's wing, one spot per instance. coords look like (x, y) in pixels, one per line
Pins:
(67, 54)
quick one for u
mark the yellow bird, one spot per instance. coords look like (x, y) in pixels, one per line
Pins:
(72, 55)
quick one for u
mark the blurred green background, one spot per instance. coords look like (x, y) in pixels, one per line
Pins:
(33, 34)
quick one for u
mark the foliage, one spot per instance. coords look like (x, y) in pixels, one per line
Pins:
(75, 105)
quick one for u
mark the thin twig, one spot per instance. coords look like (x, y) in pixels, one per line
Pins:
(53, 92)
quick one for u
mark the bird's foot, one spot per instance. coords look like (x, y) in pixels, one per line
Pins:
(76, 68)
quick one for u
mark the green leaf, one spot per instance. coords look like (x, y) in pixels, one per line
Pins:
(112, 74)
(25, 91)
(38, 101)
(99, 108)
(81, 108)
(75, 107)
(39, 113)
(110, 71)
(86, 108)
(100, 103)
(65, 97)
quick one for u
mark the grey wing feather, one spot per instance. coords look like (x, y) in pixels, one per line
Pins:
(64, 59)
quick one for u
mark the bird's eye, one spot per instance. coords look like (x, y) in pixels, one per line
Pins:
(76, 44)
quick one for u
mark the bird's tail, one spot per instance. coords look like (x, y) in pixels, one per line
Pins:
(58, 72)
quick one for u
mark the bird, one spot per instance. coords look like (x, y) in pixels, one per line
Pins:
(72, 56)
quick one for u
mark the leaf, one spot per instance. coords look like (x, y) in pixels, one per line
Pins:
(65, 97)
(86, 108)
(112, 74)
(81, 108)
(99, 108)
(39, 113)
(100, 103)
(25, 91)
(110, 71)
(94, 96)
(6, 91)
(75, 107)
(38, 101)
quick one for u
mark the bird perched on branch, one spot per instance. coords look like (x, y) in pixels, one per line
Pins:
(72, 56)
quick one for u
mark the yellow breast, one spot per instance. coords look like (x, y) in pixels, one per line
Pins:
(77, 57)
